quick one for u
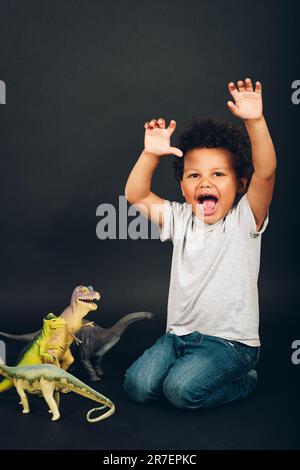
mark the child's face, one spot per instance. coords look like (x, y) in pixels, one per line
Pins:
(210, 171)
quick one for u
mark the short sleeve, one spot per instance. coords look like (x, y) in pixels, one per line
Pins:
(166, 232)
(246, 218)
(176, 217)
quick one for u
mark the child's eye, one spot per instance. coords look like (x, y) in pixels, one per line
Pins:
(195, 175)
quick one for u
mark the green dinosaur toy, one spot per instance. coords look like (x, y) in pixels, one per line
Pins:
(52, 343)
(47, 347)
(48, 380)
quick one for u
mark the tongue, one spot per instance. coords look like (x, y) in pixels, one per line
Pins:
(208, 206)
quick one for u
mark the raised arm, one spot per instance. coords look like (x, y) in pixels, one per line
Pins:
(248, 107)
(138, 187)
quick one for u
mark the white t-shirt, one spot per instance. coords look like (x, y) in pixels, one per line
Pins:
(213, 284)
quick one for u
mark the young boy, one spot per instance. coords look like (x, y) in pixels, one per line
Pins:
(208, 354)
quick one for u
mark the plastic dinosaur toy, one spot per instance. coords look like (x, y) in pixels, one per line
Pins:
(82, 302)
(47, 347)
(48, 380)
(96, 341)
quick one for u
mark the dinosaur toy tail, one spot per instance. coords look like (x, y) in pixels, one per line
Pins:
(27, 337)
(75, 385)
(88, 392)
(6, 384)
(99, 418)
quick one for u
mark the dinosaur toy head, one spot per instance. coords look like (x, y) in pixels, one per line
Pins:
(83, 299)
(53, 322)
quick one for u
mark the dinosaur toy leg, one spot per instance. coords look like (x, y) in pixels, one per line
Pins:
(98, 365)
(24, 401)
(88, 366)
(66, 361)
(48, 390)
(57, 397)
(55, 360)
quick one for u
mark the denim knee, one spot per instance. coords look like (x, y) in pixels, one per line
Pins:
(179, 394)
(136, 386)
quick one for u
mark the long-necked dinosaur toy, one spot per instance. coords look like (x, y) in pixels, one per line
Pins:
(48, 380)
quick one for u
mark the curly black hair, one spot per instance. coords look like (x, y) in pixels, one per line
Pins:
(215, 133)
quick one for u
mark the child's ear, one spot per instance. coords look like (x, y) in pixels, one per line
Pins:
(182, 189)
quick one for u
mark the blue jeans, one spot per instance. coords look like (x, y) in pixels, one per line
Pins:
(193, 371)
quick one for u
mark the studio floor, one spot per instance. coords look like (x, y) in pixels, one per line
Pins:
(268, 419)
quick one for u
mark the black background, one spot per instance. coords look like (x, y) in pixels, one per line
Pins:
(82, 77)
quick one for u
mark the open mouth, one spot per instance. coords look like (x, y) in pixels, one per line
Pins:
(208, 204)
(89, 302)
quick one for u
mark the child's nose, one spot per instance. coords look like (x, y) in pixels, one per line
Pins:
(205, 182)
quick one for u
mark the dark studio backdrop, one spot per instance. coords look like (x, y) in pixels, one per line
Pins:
(81, 79)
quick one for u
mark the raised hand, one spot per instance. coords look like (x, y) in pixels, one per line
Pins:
(248, 102)
(157, 138)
